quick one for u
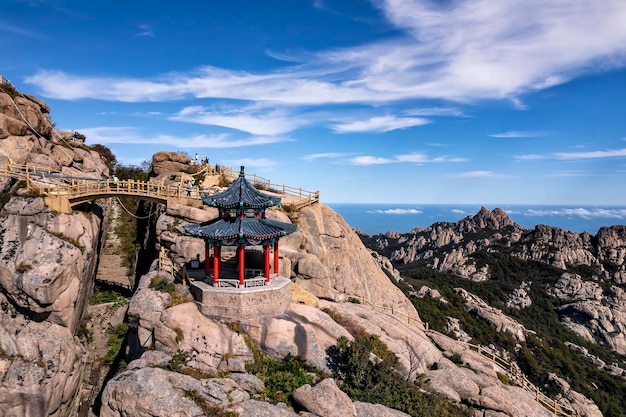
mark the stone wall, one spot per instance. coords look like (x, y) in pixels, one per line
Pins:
(242, 303)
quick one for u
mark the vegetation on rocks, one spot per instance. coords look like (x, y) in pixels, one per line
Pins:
(539, 355)
(116, 340)
(208, 408)
(163, 285)
(379, 382)
(281, 376)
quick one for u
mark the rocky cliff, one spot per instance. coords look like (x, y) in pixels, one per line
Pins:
(47, 262)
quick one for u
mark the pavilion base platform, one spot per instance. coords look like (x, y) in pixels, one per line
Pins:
(234, 303)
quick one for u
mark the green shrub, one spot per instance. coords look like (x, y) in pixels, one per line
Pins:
(379, 382)
(116, 339)
(281, 377)
(164, 285)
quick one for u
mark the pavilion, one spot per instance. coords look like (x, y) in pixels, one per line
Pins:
(241, 222)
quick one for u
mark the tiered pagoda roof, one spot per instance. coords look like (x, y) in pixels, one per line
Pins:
(241, 194)
(241, 216)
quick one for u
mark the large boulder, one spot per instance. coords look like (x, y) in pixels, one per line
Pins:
(302, 330)
(324, 399)
(139, 393)
(156, 325)
(168, 162)
(330, 261)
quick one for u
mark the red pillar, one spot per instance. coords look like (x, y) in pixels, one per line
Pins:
(207, 259)
(216, 263)
(241, 256)
(276, 257)
(266, 261)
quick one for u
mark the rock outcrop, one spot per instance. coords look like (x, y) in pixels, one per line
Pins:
(47, 264)
(592, 307)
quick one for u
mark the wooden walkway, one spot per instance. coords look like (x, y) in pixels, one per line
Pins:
(62, 192)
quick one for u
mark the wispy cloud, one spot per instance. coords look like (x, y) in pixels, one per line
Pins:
(416, 158)
(145, 30)
(462, 51)
(379, 124)
(107, 135)
(396, 211)
(585, 213)
(436, 111)
(474, 174)
(326, 155)
(457, 211)
(248, 119)
(612, 153)
(518, 134)
(16, 30)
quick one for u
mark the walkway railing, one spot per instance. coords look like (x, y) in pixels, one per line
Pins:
(510, 368)
(167, 265)
(54, 183)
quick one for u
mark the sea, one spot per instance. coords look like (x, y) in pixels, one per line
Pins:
(373, 219)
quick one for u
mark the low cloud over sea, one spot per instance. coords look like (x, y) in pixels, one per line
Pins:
(380, 218)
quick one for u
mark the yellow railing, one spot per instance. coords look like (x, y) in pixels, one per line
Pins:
(516, 374)
(510, 368)
(167, 265)
(54, 183)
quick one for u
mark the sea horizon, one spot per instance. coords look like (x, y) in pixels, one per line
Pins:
(376, 218)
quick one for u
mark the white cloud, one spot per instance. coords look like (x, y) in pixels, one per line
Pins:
(416, 158)
(435, 111)
(128, 135)
(396, 211)
(370, 160)
(613, 153)
(145, 30)
(465, 51)
(379, 124)
(518, 104)
(585, 213)
(248, 119)
(327, 155)
(529, 157)
(517, 134)
(457, 211)
(474, 174)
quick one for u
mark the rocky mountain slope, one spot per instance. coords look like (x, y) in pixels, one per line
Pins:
(576, 277)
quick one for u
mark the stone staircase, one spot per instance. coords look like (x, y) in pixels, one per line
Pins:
(111, 268)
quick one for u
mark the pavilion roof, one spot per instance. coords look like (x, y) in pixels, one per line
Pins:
(233, 231)
(241, 194)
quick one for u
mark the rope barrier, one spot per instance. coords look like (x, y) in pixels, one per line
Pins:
(133, 215)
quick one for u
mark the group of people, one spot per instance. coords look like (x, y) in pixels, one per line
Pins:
(205, 160)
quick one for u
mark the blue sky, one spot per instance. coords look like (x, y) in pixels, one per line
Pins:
(397, 101)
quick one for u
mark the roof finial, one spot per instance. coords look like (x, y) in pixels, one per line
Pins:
(241, 173)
